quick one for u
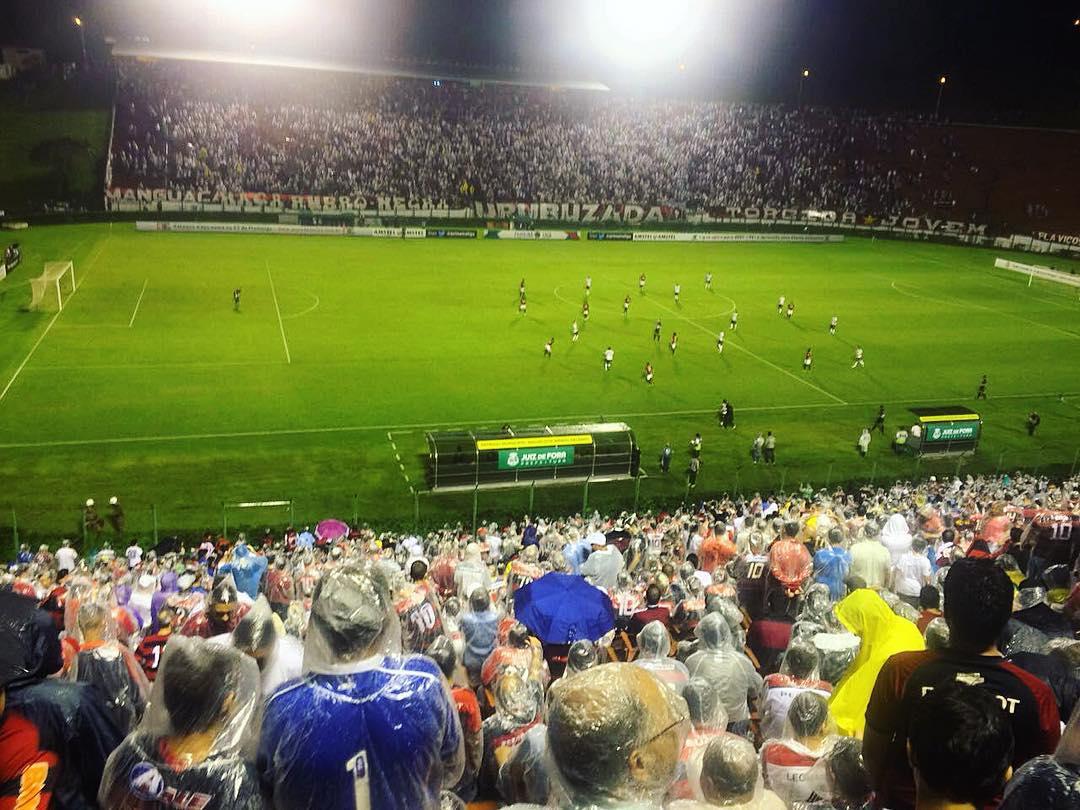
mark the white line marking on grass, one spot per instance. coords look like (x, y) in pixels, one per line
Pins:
(277, 309)
(757, 357)
(312, 308)
(139, 366)
(137, 303)
(970, 305)
(571, 418)
(49, 325)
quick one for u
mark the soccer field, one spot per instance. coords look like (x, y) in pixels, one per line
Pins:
(149, 386)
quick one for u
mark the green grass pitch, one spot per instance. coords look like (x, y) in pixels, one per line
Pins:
(149, 386)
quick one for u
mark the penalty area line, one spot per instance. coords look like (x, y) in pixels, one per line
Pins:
(277, 309)
(138, 303)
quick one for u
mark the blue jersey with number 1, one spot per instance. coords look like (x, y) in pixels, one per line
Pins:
(380, 737)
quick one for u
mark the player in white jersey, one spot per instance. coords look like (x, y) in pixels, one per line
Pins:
(673, 344)
(808, 359)
(678, 289)
(626, 306)
(609, 357)
(780, 305)
(521, 305)
(790, 309)
(832, 325)
(708, 281)
(734, 320)
(574, 332)
(588, 284)
(548, 345)
(720, 343)
(858, 358)
(648, 373)
(641, 284)
(656, 331)
(585, 311)
(521, 289)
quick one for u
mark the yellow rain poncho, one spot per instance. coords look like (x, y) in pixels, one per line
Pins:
(882, 634)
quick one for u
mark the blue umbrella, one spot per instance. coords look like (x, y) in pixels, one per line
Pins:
(561, 609)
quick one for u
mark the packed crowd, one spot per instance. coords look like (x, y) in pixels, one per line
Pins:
(909, 646)
(199, 127)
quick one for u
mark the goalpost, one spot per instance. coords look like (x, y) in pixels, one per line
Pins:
(52, 288)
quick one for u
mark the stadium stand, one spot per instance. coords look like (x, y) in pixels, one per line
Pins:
(761, 646)
(194, 126)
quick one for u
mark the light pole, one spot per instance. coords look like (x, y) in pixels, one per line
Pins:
(802, 79)
(940, 90)
(82, 37)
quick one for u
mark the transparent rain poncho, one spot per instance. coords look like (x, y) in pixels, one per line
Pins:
(1049, 783)
(517, 709)
(799, 672)
(107, 664)
(816, 614)
(654, 654)
(614, 738)
(718, 664)
(582, 655)
(471, 573)
(708, 720)
(730, 776)
(279, 656)
(201, 718)
(937, 634)
(366, 725)
(794, 766)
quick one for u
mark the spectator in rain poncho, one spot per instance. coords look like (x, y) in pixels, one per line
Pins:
(442, 652)
(1049, 782)
(614, 737)
(731, 778)
(519, 650)
(46, 718)
(1035, 612)
(168, 585)
(792, 763)
(654, 654)
(817, 614)
(604, 564)
(798, 673)
(108, 665)
(708, 720)
(581, 656)
(360, 695)
(471, 573)
(141, 600)
(870, 560)
(896, 537)
(480, 627)
(221, 613)
(246, 568)
(517, 709)
(280, 657)
(846, 777)
(730, 672)
(881, 633)
(832, 563)
(190, 744)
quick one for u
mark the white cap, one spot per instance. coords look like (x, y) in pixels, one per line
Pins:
(89, 501)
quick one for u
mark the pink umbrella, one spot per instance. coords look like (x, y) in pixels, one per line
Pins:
(331, 530)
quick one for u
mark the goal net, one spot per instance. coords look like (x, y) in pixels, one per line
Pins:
(52, 288)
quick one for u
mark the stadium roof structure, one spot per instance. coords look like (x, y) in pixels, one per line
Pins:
(225, 57)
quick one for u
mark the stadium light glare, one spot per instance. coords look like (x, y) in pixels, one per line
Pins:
(806, 73)
(77, 21)
(941, 80)
(643, 33)
(251, 13)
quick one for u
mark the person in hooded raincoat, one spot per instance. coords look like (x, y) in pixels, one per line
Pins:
(1049, 782)
(247, 569)
(717, 662)
(882, 633)
(654, 654)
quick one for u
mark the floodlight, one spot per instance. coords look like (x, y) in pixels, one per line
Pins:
(643, 32)
(806, 73)
(941, 80)
(78, 22)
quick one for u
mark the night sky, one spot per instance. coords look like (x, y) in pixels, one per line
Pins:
(1000, 57)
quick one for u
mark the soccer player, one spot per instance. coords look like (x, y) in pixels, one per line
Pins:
(588, 284)
(673, 344)
(574, 332)
(790, 309)
(695, 445)
(981, 393)
(236, 300)
(678, 289)
(521, 289)
(585, 311)
(879, 421)
(641, 284)
(626, 306)
(522, 305)
(656, 330)
(720, 343)
(780, 305)
(648, 373)
(832, 325)
(609, 356)
(547, 346)
(734, 320)
(808, 359)
(708, 281)
(1033, 421)
(858, 358)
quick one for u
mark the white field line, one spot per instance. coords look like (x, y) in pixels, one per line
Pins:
(535, 419)
(49, 325)
(970, 305)
(138, 303)
(312, 308)
(277, 309)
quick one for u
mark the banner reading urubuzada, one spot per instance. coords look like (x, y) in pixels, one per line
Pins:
(537, 457)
